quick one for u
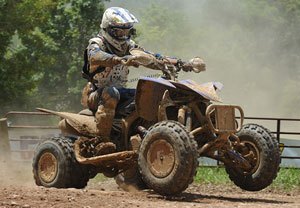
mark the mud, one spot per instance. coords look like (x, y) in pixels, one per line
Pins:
(17, 189)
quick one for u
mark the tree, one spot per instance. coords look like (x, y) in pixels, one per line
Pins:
(44, 68)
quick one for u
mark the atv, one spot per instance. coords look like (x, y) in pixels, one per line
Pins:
(157, 137)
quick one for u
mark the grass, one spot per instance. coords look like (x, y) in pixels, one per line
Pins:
(211, 175)
(288, 179)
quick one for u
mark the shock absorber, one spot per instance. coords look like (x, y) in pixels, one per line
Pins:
(142, 131)
(136, 140)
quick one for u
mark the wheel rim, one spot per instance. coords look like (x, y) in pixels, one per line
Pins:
(161, 158)
(251, 154)
(47, 167)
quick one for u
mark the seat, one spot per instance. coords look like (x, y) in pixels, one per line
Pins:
(86, 112)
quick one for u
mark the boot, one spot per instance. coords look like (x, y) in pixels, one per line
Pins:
(106, 112)
(104, 120)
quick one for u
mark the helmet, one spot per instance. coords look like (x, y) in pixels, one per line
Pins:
(117, 26)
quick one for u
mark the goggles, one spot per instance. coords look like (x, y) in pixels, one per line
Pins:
(121, 33)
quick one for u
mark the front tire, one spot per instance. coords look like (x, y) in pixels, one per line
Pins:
(54, 165)
(263, 155)
(168, 158)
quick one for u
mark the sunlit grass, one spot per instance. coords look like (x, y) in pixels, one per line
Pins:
(288, 179)
(211, 175)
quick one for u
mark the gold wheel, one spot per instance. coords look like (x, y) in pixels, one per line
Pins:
(47, 167)
(161, 158)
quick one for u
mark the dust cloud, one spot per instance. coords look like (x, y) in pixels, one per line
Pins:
(15, 173)
(241, 42)
(16, 166)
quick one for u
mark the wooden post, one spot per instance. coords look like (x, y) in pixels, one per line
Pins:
(4, 141)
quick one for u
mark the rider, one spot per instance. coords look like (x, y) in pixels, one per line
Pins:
(107, 76)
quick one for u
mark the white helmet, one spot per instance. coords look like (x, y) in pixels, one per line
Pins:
(117, 26)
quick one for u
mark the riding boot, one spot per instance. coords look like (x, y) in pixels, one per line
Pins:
(104, 120)
(105, 111)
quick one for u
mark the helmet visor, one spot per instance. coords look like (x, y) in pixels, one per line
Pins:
(121, 33)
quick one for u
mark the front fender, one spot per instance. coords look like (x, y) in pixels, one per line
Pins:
(148, 96)
(206, 90)
(150, 92)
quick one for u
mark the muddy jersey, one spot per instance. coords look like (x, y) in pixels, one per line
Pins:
(100, 55)
(112, 76)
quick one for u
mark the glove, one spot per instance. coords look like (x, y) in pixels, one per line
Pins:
(116, 60)
(196, 65)
(129, 59)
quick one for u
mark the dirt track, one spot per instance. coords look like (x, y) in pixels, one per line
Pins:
(196, 196)
(18, 190)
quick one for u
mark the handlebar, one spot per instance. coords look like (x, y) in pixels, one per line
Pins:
(169, 66)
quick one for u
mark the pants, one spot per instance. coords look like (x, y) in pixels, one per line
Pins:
(103, 103)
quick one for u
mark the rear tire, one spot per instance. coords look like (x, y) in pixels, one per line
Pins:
(168, 158)
(54, 165)
(266, 160)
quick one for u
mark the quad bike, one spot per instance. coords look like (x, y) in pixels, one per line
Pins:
(158, 136)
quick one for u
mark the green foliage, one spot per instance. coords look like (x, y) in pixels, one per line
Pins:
(44, 69)
(7, 16)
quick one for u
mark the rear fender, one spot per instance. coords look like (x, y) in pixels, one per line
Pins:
(85, 125)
